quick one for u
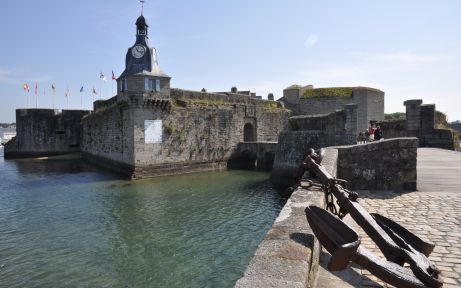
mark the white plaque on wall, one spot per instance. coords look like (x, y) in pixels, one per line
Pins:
(152, 131)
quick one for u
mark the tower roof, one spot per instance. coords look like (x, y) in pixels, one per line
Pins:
(141, 21)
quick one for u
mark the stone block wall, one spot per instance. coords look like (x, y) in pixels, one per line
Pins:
(413, 112)
(43, 132)
(291, 150)
(107, 138)
(381, 165)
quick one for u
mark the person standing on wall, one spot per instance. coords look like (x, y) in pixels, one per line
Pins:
(378, 133)
(371, 131)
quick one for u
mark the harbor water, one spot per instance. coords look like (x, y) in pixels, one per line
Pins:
(64, 223)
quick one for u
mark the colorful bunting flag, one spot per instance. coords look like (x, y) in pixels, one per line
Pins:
(113, 75)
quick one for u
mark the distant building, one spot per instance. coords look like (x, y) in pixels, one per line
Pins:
(307, 100)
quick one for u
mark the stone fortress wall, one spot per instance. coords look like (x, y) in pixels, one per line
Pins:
(45, 132)
(308, 100)
(421, 122)
(199, 131)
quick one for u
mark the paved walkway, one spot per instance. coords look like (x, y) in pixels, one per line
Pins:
(433, 212)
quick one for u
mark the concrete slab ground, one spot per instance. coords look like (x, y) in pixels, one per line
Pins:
(433, 212)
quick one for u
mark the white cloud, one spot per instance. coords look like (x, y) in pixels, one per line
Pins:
(311, 41)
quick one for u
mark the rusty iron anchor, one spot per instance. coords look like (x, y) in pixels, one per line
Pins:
(398, 245)
(343, 243)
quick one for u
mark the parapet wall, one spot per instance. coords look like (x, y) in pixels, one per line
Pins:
(381, 165)
(43, 132)
(422, 121)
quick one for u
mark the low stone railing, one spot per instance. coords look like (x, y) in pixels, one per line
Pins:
(289, 254)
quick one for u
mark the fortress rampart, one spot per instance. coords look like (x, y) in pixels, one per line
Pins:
(44, 132)
(199, 131)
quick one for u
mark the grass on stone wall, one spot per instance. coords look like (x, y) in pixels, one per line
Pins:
(327, 92)
(272, 106)
(208, 102)
(395, 116)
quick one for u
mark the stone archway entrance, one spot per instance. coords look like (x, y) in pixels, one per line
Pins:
(249, 133)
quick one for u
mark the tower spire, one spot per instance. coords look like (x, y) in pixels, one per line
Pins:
(142, 6)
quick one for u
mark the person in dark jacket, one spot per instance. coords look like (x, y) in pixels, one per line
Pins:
(378, 133)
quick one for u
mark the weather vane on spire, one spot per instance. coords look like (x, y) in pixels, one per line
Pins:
(142, 6)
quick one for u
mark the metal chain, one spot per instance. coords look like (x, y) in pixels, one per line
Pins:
(329, 197)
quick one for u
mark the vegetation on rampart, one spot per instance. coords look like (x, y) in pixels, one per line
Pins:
(273, 106)
(395, 116)
(441, 120)
(327, 92)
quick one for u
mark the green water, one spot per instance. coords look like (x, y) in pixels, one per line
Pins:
(67, 224)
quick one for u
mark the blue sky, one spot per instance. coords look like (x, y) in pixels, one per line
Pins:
(409, 49)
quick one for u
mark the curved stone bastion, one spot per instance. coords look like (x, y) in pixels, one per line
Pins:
(288, 256)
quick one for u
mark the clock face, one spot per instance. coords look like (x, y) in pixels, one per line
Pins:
(138, 51)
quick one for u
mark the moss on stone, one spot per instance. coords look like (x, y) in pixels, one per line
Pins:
(327, 92)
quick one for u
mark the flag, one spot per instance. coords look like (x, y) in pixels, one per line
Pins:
(102, 77)
(94, 92)
(25, 86)
(53, 88)
(36, 88)
(113, 75)
(67, 92)
(81, 89)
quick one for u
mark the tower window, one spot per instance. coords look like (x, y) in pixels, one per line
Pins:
(152, 84)
(124, 85)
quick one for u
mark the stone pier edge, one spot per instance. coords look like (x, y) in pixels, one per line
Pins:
(289, 254)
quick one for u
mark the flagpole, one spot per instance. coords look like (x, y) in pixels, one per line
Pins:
(100, 87)
(28, 100)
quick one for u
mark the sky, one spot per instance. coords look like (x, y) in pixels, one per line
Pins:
(409, 49)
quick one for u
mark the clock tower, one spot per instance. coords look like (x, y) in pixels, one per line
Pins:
(142, 72)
